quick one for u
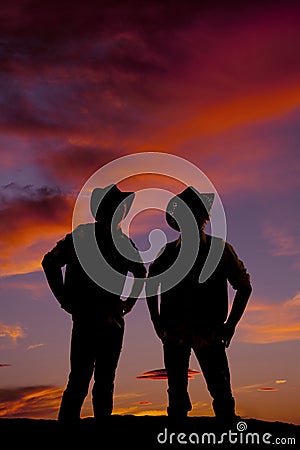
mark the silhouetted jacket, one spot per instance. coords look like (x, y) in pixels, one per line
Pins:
(193, 305)
(77, 292)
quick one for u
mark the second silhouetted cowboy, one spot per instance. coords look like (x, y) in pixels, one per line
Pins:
(194, 316)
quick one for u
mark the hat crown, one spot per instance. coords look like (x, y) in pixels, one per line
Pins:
(108, 199)
(192, 197)
(198, 203)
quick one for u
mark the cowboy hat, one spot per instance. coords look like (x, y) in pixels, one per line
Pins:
(105, 201)
(199, 203)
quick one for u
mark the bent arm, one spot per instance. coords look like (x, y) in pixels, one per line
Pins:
(152, 299)
(53, 274)
(139, 272)
(239, 304)
(52, 264)
(238, 307)
(240, 280)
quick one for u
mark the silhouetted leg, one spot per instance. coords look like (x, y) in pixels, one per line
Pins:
(176, 359)
(107, 357)
(214, 365)
(82, 357)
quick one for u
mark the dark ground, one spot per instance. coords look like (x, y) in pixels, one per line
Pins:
(147, 432)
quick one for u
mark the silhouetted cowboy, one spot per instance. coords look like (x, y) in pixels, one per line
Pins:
(194, 316)
(97, 311)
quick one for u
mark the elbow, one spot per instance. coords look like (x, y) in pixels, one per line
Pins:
(247, 290)
(46, 261)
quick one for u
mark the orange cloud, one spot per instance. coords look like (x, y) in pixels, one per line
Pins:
(266, 323)
(235, 113)
(247, 388)
(32, 401)
(29, 217)
(13, 332)
(151, 412)
(281, 381)
(128, 403)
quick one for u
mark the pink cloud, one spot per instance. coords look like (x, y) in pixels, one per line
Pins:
(267, 389)
(34, 346)
(142, 403)
(161, 374)
(282, 240)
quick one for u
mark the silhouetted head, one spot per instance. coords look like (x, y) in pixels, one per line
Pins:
(105, 202)
(199, 204)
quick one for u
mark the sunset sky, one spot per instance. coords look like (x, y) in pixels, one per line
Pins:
(215, 83)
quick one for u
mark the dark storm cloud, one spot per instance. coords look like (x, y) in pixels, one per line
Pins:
(111, 65)
(38, 203)
(66, 65)
(57, 58)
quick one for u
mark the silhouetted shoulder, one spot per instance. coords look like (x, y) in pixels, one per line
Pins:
(83, 230)
(60, 252)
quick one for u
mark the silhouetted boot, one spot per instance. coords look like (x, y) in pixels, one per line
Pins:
(224, 409)
(178, 408)
(69, 412)
(102, 403)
